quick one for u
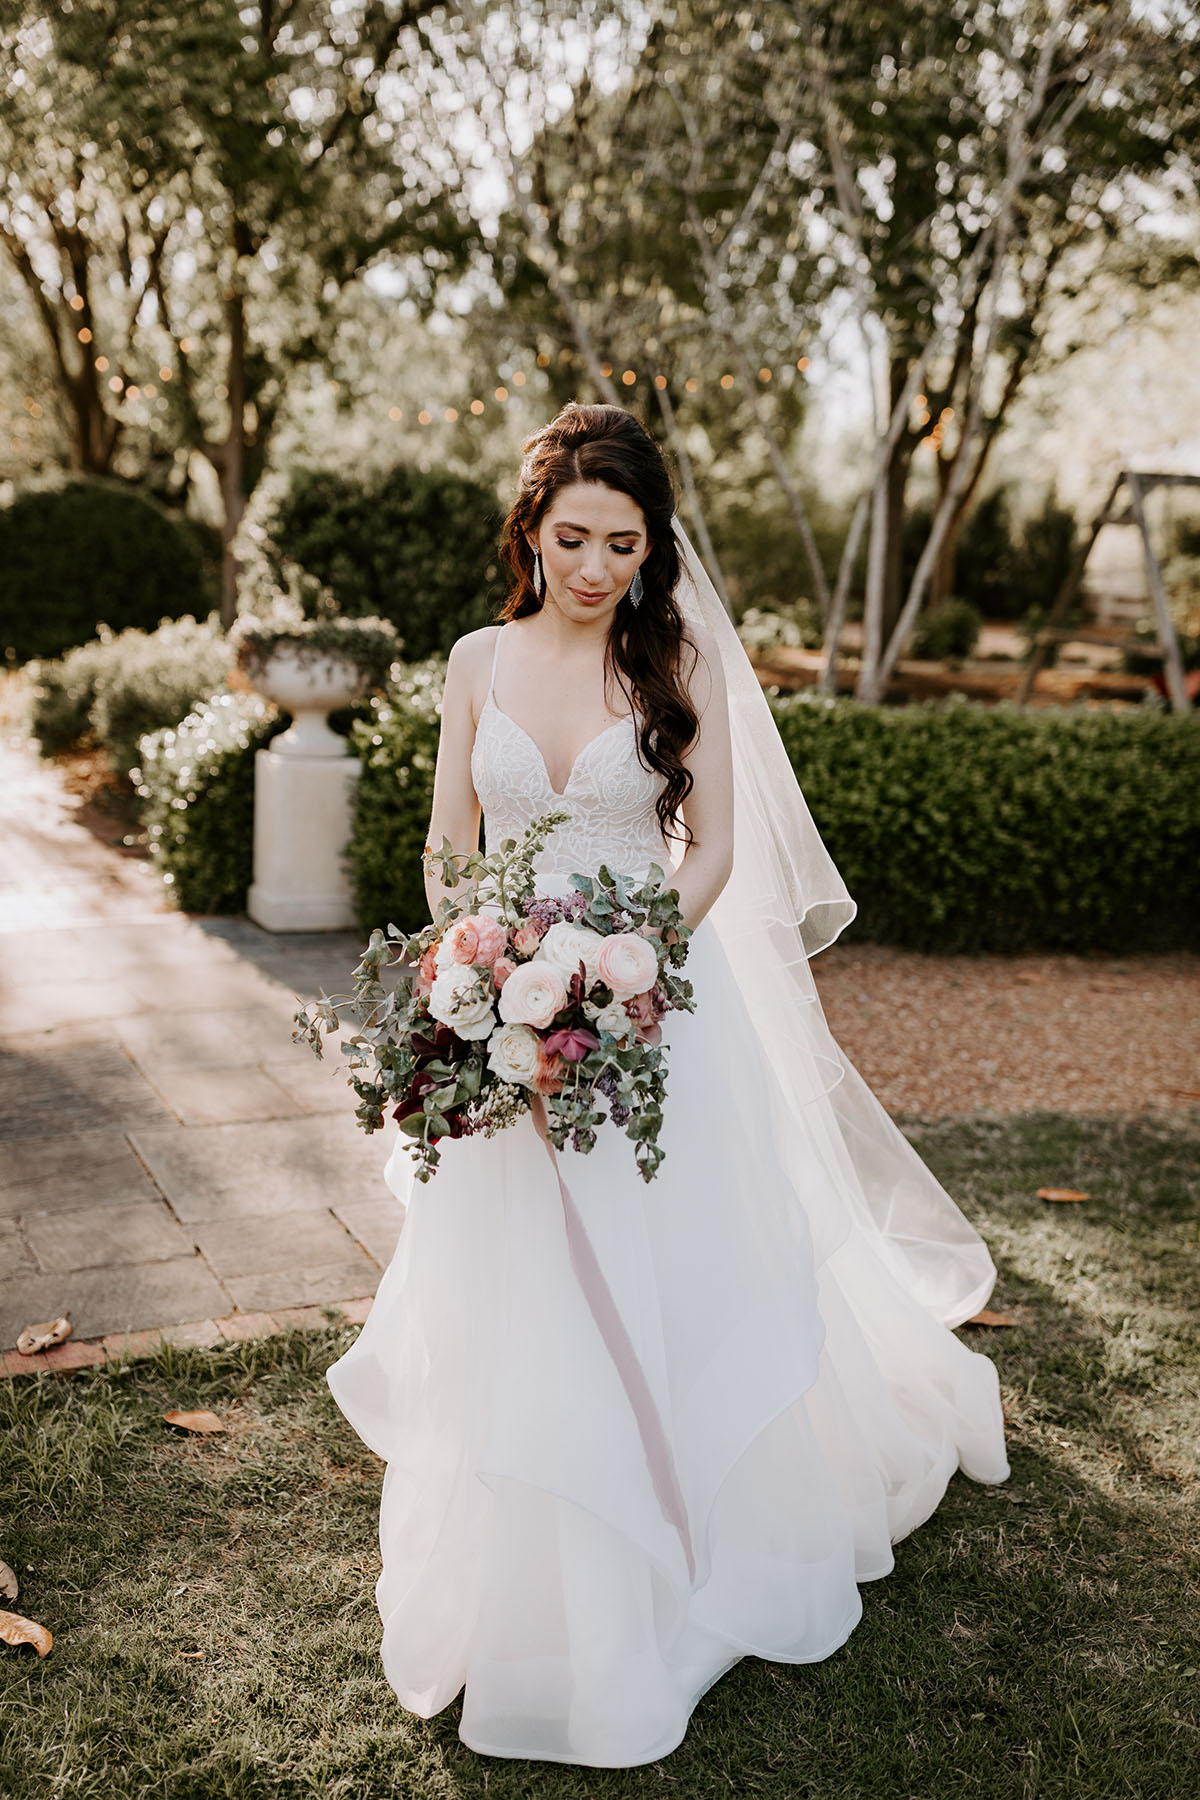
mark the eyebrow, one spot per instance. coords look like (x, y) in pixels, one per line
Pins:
(566, 525)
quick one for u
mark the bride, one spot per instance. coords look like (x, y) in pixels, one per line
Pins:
(633, 1439)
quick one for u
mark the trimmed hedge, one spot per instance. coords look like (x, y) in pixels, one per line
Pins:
(398, 746)
(196, 784)
(125, 684)
(92, 551)
(960, 828)
(957, 828)
(413, 546)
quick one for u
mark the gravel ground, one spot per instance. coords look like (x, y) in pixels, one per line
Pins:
(936, 1036)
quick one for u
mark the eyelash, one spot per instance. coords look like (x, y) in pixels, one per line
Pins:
(574, 544)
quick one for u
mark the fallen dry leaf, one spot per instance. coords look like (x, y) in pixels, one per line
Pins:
(16, 1630)
(41, 1337)
(194, 1421)
(192, 1655)
(1186, 1093)
(8, 1582)
(1061, 1194)
(991, 1318)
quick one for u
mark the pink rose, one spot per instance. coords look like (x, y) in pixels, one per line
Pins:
(427, 971)
(526, 939)
(627, 964)
(492, 938)
(475, 938)
(532, 994)
(502, 968)
(462, 941)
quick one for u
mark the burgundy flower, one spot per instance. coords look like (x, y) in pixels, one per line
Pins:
(573, 1042)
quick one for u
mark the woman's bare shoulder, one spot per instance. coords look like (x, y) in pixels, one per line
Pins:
(469, 665)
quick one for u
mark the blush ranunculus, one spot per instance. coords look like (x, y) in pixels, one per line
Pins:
(627, 964)
(532, 994)
(502, 968)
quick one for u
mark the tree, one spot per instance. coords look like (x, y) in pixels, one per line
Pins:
(189, 190)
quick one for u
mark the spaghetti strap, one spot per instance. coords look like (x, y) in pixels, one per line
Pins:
(495, 655)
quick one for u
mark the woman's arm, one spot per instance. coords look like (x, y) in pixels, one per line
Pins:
(708, 809)
(456, 809)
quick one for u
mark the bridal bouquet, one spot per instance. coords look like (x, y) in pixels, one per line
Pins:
(506, 996)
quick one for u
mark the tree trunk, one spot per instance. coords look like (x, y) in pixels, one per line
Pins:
(893, 546)
(229, 457)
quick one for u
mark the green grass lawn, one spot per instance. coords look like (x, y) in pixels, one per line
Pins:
(212, 1598)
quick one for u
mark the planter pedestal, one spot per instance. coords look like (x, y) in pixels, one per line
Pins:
(302, 815)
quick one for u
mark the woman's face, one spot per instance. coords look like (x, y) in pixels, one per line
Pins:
(592, 541)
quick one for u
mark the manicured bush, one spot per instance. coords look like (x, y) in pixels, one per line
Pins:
(948, 632)
(414, 547)
(962, 828)
(196, 784)
(956, 827)
(398, 746)
(63, 693)
(91, 552)
(124, 684)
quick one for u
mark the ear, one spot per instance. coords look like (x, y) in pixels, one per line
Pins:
(532, 541)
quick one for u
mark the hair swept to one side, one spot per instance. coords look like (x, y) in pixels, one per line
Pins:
(608, 445)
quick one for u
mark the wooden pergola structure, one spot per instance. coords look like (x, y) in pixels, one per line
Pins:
(1131, 511)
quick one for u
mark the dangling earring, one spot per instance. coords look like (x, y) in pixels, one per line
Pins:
(539, 579)
(635, 589)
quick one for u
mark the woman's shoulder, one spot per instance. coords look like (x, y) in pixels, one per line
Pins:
(469, 665)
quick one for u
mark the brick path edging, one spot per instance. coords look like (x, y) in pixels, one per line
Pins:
(205, 1334)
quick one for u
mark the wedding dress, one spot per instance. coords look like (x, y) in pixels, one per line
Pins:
(616, 1466)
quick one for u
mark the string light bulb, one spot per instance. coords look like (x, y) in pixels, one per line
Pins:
(628, 377)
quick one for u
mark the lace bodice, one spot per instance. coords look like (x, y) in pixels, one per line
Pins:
(609, 792)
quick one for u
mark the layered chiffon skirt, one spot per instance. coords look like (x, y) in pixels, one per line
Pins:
(634, 1435)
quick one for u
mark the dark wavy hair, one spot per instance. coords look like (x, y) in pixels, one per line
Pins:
(606, 444)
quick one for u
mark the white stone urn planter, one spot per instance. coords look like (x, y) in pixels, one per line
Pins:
(304, 780)
(309, 685)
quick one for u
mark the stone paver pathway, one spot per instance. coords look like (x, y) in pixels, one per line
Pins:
(168, 1157)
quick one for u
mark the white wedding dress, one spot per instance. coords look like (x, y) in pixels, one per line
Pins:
(615, 1467)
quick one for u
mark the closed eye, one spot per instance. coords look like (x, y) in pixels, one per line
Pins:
(575, 544)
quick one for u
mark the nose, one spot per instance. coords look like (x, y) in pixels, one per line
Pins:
(592, 568)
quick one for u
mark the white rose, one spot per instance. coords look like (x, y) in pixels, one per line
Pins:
(459, 998)
(532, 994)
(614, 1018)
(565, 946)
(513, 1053)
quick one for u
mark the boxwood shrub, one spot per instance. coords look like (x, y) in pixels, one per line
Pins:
(398, 746)
(91, 551)
(124, 684)
(196, 785)
(956, 827)
(963, 828)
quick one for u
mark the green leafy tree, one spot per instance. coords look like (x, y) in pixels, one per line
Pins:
(188, 191)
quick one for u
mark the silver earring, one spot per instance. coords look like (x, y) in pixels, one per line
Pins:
(539, 579)
(635, 589)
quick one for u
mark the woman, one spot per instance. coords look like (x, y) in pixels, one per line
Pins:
(637, 1431)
